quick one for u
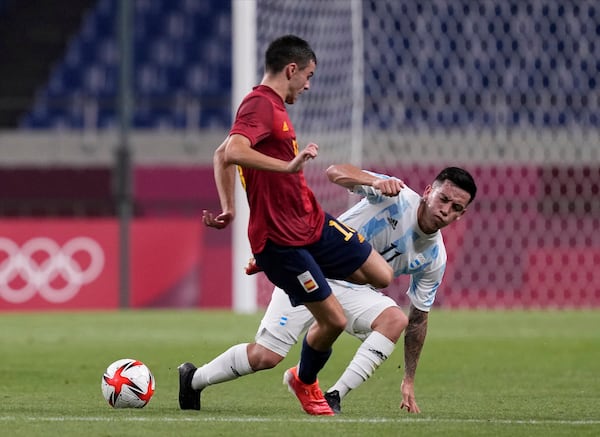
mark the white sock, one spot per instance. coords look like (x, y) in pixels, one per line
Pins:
(231, 364)
(375, 350)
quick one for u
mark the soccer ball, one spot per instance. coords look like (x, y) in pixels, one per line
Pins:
(128, 383)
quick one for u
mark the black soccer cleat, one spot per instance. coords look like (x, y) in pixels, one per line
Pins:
(189, 399)
(333, 399)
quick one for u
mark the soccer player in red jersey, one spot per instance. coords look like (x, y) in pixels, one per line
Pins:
(293, 240)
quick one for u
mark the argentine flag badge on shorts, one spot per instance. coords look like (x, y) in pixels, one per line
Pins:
(308, 282)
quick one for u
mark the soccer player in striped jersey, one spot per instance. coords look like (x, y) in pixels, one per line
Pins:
(405, 229)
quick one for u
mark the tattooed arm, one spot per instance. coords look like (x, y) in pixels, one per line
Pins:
(414, 338)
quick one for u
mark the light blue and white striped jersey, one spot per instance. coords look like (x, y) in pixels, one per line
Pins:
(390, 225)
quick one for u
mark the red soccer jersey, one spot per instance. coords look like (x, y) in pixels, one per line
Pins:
(282, 207)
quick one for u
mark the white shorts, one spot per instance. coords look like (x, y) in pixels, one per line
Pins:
(283, 324)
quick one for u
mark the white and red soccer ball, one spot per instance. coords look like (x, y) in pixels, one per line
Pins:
(128, 383)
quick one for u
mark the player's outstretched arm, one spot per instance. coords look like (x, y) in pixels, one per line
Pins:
(414, 339)
(239, 151)
(225, 181)
(349, 176)
(309, 152)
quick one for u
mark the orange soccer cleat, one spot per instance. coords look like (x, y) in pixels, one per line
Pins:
(309, 395)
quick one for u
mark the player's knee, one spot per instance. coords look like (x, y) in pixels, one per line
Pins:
(267, 362)
(400, 322)
(261, 358)
(391, 323)
(329, 316)
(339, 323)
(331, 326)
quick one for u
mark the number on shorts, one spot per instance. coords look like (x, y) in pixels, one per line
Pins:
(346, 230)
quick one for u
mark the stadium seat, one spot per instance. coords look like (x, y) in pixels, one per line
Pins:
(510, 77)
(170, 39)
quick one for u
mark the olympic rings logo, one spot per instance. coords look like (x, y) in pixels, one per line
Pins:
(55, 272)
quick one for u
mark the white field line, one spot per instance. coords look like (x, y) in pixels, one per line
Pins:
(299, 420)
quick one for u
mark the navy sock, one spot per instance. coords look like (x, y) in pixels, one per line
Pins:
(311, 362)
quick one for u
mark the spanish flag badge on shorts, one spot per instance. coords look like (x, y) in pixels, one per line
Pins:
(308, 282)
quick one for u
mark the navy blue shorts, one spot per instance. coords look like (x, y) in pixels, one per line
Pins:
(301, 271)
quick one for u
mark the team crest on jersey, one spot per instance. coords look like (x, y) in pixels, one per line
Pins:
(308, 282)
(285, 127)
(418, 262)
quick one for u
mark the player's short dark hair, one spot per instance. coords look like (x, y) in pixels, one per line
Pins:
(287, 49)
(459, 177)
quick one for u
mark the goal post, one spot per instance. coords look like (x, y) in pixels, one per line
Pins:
(244, 61)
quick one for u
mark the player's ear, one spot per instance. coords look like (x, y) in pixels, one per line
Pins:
(290, 69)
(426, 192)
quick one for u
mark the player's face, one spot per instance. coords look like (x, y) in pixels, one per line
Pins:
(299, 81)
(443, 203)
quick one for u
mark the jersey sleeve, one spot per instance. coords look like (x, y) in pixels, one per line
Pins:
(254, 119)
(423, 287)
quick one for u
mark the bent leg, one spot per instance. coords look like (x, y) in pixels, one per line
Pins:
(261, 358)
(330, 322)
(391, 323)
(375, 271)
(239, 360)
(375, 349)
(231, 364)
(274, 339)
(316, 347)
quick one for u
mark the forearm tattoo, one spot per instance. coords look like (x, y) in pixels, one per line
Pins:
(414, 338)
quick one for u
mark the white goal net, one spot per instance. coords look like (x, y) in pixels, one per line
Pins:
(506, 89)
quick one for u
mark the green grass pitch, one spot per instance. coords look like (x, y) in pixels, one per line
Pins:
(515, 373)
